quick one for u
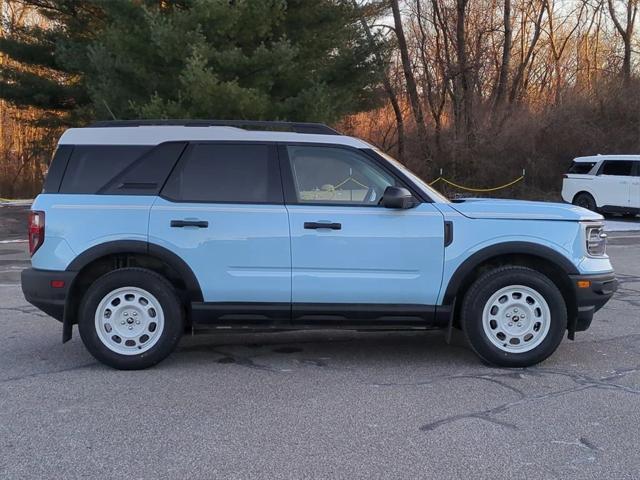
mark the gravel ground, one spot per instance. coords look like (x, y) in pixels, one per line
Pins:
(319, 404)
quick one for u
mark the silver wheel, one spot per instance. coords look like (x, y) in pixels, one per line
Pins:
(129, 321)
(516, 319)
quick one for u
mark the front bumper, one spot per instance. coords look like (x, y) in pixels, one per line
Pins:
(39, 290)
(591, 298)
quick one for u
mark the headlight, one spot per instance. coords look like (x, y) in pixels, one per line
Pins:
(596, 240)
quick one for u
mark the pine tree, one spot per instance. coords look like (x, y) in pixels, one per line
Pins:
(247, 59)
(36, 73)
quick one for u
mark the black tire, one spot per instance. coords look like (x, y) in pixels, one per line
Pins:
(480, 293)
(585, 200)
(144, 279)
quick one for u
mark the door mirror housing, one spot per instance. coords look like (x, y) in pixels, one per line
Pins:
(397, 197)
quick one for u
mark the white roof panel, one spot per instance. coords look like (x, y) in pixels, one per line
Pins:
(597, 158)
(156, 134)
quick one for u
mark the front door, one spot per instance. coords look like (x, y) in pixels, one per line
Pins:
(222, 212)
(635, 187)
(351, 256)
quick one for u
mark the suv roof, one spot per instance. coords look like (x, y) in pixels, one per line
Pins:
(597, 158)
(154, 132)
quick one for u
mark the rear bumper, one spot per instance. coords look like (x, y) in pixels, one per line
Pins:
(39, 292)
(592, 298)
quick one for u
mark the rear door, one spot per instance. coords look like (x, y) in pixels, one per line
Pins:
(350, 256)
(222, 212)
(612, 186)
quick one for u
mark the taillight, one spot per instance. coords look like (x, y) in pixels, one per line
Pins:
(36, 230)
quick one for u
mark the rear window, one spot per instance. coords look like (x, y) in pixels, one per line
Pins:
(617, 167)
(581, 167)
(226, 173)
(91, 167)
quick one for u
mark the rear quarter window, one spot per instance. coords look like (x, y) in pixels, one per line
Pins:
(91, 167)
(581, 167)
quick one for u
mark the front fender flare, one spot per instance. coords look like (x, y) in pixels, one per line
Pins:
(497, 250)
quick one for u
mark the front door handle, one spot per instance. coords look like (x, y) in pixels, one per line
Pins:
(189, 223)
(318, 225)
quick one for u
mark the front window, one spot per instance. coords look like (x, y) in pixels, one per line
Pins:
(430, 191)
(332, 175)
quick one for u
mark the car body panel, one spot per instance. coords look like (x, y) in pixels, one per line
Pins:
(472, 235)
(242, 256)
(84, 221)
(379, 255)
(483, 208)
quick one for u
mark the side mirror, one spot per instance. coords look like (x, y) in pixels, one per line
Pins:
(397, 197)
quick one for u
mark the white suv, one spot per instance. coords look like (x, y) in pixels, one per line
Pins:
(604, 183)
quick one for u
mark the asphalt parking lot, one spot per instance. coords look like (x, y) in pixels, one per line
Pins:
(318, 404)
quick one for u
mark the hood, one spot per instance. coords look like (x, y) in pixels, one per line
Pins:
(522, 210)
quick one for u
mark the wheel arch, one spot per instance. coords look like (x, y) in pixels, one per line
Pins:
(109, 256)
(586, 192)
(538, 257)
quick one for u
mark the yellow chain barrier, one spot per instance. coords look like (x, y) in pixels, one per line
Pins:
(449, 182)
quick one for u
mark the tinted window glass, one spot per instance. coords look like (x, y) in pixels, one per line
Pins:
(93, 166)
(56, 169)
(617, 167)
(637, 171)
(336, 175)
(581, 167)
(226, 173)
(146, 175)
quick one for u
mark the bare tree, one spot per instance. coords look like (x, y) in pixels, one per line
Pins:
(503, 76)
(388, 88)
(626, 32)
(412, 89)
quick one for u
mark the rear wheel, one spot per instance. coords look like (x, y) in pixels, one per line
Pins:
(514, 316)
(585, 200)
(131, 318)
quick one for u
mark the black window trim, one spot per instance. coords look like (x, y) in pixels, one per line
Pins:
(288, 182)
(273, 156)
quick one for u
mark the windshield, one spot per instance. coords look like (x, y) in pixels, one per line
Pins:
(434, 194)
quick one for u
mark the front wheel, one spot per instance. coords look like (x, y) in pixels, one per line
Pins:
(131, 318)
(514, 316)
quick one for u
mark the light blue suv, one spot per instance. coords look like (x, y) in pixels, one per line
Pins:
(146, 229)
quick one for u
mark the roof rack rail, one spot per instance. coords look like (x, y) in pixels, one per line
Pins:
(296, 127)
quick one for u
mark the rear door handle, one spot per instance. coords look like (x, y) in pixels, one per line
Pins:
(318, 225)
(189, 223)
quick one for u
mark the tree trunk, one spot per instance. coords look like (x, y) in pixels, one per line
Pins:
(503, 76)
(626, 34)
(388, 88)
(412, 89)
(462, 79)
